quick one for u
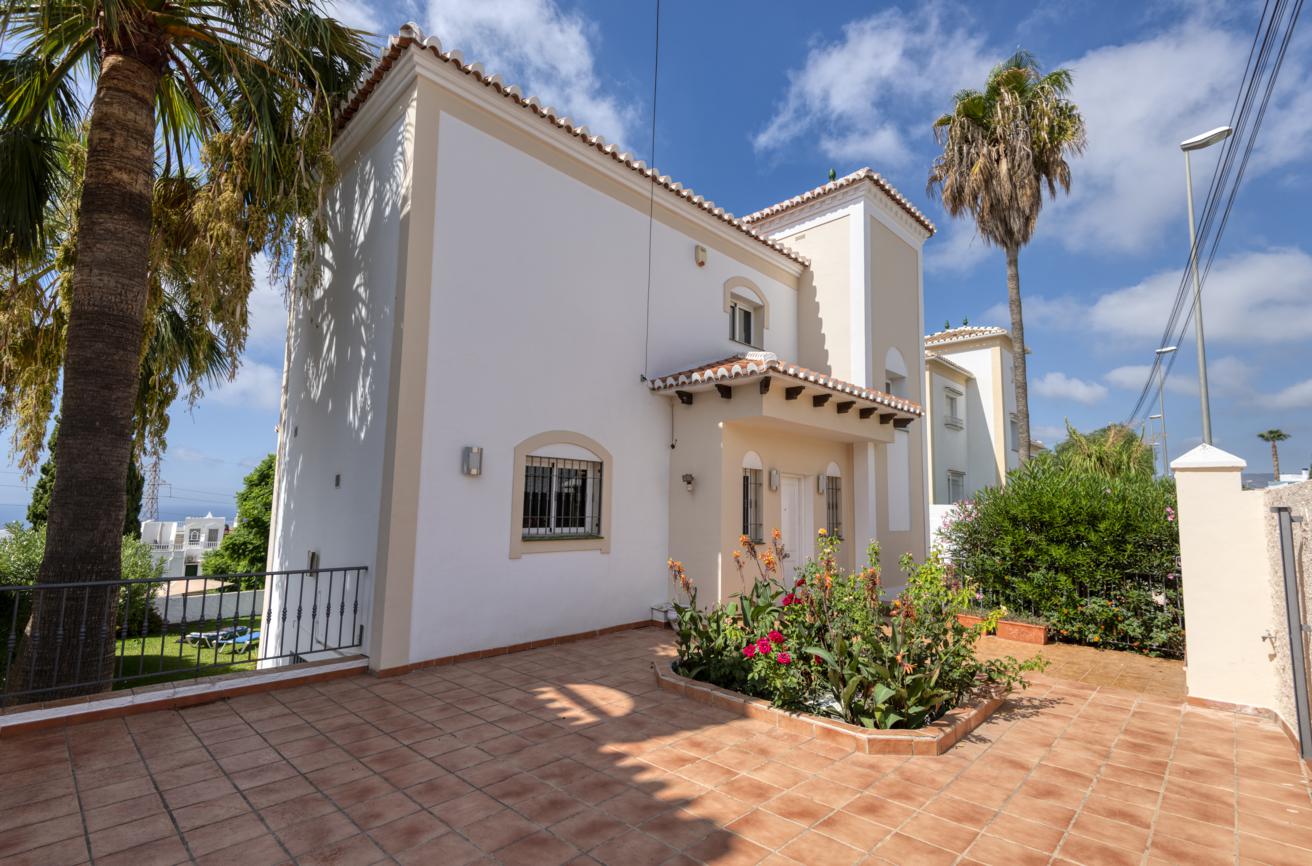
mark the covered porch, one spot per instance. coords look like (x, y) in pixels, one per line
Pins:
(758, 444)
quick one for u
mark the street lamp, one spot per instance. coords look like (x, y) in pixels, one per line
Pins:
(1161, 403)
(1198, 142)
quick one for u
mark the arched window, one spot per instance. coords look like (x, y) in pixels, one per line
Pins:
(748, 309)
(895, 373)
(834, 501)
(560, 494)
(753, 469)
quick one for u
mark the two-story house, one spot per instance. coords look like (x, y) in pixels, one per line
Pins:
(534, 369)
(970, 414)
(181, 544)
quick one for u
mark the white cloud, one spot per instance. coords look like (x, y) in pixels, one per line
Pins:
(1139, 100)
(1249, 297)
(1059, 386)
(878, 87)
(266, 336)
(541, 47)
(355, 13)
(1226, 376)
(1298, 396)
(957, 249)
(257, 386)
(1039, 311)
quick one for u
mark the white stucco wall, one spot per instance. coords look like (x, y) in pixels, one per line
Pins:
(539, 320)
(337, 378)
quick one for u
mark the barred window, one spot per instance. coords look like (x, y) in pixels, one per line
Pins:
(956, 486)
(834, 506)
(752, 505)
(562, 498)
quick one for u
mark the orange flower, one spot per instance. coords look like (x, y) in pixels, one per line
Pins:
(777, 534)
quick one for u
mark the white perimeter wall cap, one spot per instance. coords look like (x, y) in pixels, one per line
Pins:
(1207, 457)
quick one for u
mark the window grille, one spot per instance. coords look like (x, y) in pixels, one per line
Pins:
(213, 535)
(193, 537)
(742, 325)
(834, 506)
(562, 498)
(752, 505)
(956, 486)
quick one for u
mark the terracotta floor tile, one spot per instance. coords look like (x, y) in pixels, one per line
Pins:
(132, 834)
(886, 812)
(1175, 849)
(539, 849)
(69, 852)
(316, 832)
(1270, 851)
(632, 848)
(381, 810)
(679, 829)
(589, 828)
(1031, 834)
(158, 852)
(767, 829)
(996, 851)
(901, 848)
(224, 834)
(722, 848)
(357, 850)
(449, 849)
(1082, 849)
(498, 830)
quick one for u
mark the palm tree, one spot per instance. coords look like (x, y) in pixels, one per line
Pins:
(1274, 437)
(1001, 147)
(207, 140)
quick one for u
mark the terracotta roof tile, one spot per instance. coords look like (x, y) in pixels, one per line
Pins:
(833, 186)
(966, 332)
(752, 364)
(410, 35)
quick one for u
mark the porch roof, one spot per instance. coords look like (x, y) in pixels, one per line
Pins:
(758, 365)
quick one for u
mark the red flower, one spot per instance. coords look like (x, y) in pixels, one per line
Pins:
(776, 637)
(783, 658)
(749, 650)
(763, 646)
(800, 581)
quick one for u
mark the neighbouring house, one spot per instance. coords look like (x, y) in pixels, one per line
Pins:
(970, 414)
(181, 544)
(533, 370)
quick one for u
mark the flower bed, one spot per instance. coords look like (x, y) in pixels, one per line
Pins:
(830, 644)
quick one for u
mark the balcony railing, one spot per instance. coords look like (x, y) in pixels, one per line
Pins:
(70, 639)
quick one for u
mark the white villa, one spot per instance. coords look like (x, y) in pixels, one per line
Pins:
(534, 370)
(181, 544)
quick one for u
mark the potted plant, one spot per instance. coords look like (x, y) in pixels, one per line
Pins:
(1023, 628)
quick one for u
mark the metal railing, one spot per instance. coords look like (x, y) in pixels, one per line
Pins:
(1139, 613)
(62, 640)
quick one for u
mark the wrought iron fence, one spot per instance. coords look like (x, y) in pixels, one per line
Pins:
(1140, 613)
(62, 640)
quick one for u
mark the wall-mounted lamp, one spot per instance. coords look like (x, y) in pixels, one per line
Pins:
(688, 481)
(821, 484)
(774, 479)
(699, 255)
(471, 461)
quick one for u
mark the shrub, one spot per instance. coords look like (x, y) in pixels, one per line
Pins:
(1096, 554)
(830, 643)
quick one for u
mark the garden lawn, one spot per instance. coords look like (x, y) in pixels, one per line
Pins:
(164, 659)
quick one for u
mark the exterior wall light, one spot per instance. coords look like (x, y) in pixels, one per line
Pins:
(774, 479)
(821, 484)
(688, 481)
(471, 461)
(699, 255)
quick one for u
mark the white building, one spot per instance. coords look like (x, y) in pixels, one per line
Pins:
(645, 376)
(970, 412)
(181, 544)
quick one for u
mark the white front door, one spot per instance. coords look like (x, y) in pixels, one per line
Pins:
(793, 517)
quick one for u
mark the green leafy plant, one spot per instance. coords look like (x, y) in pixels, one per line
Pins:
(829, 642)
(1090, 549)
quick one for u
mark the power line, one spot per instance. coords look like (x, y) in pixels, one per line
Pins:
(1256, 72)
(651, 199)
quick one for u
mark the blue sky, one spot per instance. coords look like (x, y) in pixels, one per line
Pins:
(757, 101)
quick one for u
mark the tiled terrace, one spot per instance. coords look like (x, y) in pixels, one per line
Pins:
(570, 754)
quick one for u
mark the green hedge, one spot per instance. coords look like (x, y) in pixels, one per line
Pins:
(1095, 556)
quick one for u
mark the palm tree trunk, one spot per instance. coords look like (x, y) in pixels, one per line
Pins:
(1275, 460)
(69, 646)
(1018, 369)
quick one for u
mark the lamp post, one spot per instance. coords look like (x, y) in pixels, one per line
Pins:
(1161, 404)
(1198, 142)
